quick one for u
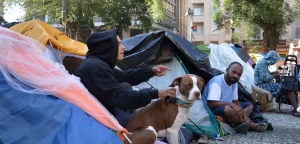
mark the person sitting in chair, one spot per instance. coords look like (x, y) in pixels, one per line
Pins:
(221, 94)
(264, 79)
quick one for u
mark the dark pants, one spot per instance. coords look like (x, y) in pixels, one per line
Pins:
(220, 110)
(123, 117)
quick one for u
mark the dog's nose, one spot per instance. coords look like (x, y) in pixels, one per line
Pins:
(197, 93)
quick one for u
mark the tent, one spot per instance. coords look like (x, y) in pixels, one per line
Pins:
(158, 47)
(34, 119)
(66, 51)
(182, 57)
(32, 116)
(44, 33)
(204, 48)
(241, 52)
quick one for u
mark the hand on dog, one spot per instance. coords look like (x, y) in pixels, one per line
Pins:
(160, 70)
(169, 92)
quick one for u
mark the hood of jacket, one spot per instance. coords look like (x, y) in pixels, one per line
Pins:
(103, 45)
(272, 57)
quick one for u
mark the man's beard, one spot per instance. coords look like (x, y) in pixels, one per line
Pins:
(231, 79)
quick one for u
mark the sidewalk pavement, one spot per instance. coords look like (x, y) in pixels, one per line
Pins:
(286, 130)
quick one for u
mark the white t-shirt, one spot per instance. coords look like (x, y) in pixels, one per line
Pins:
(218, 90)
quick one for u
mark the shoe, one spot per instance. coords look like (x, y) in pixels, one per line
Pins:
(242, 128)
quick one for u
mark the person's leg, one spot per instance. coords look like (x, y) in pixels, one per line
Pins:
(248, 108)
(292, 99)
(229, 116)
(122, 117)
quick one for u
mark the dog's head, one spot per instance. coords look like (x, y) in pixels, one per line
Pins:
(190, 86)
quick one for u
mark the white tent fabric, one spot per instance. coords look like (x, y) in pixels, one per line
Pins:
(222, 55)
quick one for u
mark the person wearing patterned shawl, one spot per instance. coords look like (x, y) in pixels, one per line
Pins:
(264, 79)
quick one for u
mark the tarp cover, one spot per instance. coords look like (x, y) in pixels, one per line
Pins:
(241, 52)
(157, 47)
(43, 33)
(40, 119)
(8, 25)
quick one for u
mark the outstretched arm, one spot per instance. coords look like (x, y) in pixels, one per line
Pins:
(134, 76)
(109, 91)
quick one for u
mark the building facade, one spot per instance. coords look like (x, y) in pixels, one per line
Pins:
(200, 28)
(170, 23)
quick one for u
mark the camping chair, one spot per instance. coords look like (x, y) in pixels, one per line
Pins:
(289, 82)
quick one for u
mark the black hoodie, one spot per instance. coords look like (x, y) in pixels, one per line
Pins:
(99, 76)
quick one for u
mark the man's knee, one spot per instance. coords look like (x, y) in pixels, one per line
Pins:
(229, 111)
(232, 115)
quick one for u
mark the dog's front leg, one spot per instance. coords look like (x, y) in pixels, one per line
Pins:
(172, 136)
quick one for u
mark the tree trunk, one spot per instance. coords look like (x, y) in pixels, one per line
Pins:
(78, 22)
(270, 38)
(69, 34)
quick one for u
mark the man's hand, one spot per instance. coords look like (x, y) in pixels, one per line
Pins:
(238, 110)
(169, 92)
(160, 70)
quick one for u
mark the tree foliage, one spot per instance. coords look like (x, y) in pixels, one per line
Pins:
(272, 16)
(117, 14)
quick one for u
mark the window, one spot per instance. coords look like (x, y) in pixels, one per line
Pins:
(197, 29)
(170, 8)
(197, 11)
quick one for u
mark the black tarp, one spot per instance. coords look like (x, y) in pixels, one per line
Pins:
(241, 52)
(8, 25)
(157, 47)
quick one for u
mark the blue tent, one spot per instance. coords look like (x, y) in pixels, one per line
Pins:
(40, 119)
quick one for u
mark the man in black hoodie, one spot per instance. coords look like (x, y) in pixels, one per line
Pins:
(112, 87)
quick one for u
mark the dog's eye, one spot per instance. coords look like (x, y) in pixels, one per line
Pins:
(189, 85)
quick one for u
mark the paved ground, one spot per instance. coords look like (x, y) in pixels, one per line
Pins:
(286, 130)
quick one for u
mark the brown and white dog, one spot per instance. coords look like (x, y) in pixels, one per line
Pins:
(164, 117)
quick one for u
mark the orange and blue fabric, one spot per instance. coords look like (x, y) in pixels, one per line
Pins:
(21, 58)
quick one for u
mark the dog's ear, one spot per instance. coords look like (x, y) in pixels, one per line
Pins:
(176, 82)
(201, 80)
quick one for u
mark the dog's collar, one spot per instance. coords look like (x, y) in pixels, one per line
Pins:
(179, 102)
